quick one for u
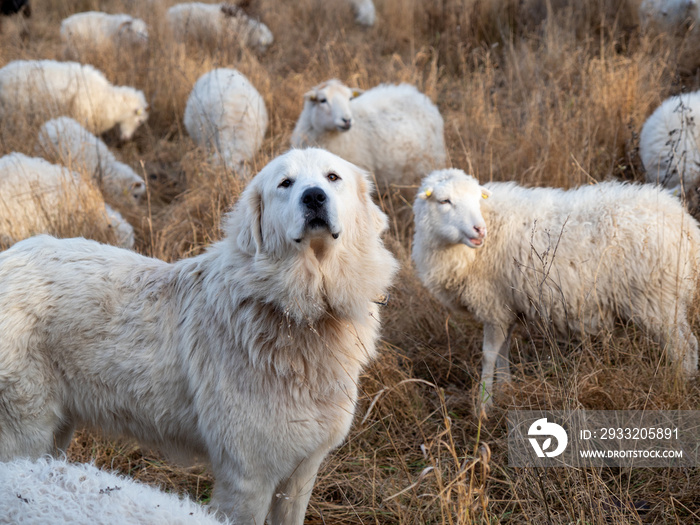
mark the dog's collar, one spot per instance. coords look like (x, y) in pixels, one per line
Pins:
(382, 300)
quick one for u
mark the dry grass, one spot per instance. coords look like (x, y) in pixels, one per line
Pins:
(544, 92)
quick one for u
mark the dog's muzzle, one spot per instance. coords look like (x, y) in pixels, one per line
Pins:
(313, 202)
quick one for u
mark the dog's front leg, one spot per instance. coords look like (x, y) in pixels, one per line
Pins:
(292, 495)
(245, 501)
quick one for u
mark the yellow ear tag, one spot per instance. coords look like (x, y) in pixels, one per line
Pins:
(484, 196)
(428, 193)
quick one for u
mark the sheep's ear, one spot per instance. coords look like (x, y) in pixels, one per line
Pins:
(124, 26)
(311, 96)
(425, 193)
(485, 194)
(356, 92)
(249, 214)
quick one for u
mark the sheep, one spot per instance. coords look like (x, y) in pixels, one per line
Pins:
(669, 143)
(65, 140)
(38, 197)
(392, 130)
(576, 260)
(365, 14)
(224, 112)
(50, 490)
(50, 88)
(94, 30)
(217, 22)
(673, 17)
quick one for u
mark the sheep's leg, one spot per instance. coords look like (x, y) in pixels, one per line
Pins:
(292, 496)
(683, 348)
(679, 340)
(495, 359)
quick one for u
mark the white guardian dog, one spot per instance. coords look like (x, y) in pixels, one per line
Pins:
(248, 355)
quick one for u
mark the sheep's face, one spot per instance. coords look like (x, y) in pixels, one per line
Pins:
(134, 111)
(448, 208)
(329, 104)
(259, 36)
(123, 231)
(136, 32)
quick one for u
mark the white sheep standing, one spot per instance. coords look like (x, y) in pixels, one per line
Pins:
(673, 17)
(225, 113)
(365, 13)
(36, 196)
(574, 260)
(217, 22)
(669, 143)
(97, 31)
(48, 88)
(395, 131)
(50, 490)
(66, 141)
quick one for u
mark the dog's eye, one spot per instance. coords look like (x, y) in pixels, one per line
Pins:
(445, 201)
(333, 177)
(286, 183)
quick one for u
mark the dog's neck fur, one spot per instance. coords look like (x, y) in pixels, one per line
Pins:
(329, 300)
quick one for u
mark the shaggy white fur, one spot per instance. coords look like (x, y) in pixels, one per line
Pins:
(669, 143)
(97, 31)
(365, 13)
(574, 260)
(50, 89)
(248, 355)
(669, 16)
(394, 131)
(225, 113)
(216, 23)
(36, 196)
(52, 491)
(66, 141)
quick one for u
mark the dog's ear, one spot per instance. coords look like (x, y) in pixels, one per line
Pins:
(365, 187)
(249, 211)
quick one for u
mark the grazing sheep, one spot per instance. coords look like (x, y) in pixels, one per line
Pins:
(67, 142)
(394, 131)
(365, 13)
(215, 23)
(97, 31)
(248, 355)
(669, 16)
(669, 144)
(226, 113)
(54, 491)
(48, 88)
(574, 260)
(38, 197)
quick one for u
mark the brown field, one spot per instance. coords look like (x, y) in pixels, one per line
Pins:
(543, 92)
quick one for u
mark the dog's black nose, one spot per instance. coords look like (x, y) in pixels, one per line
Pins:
(313, 198)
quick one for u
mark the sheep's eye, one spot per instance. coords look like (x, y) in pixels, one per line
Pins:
(286, 183)
(333, 177)
(322, 100)
(445, 201)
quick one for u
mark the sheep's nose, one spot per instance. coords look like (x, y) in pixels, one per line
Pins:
(313, 198)
(480, 231)
(346, 123)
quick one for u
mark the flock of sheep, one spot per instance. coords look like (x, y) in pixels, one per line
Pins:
(574, 260)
